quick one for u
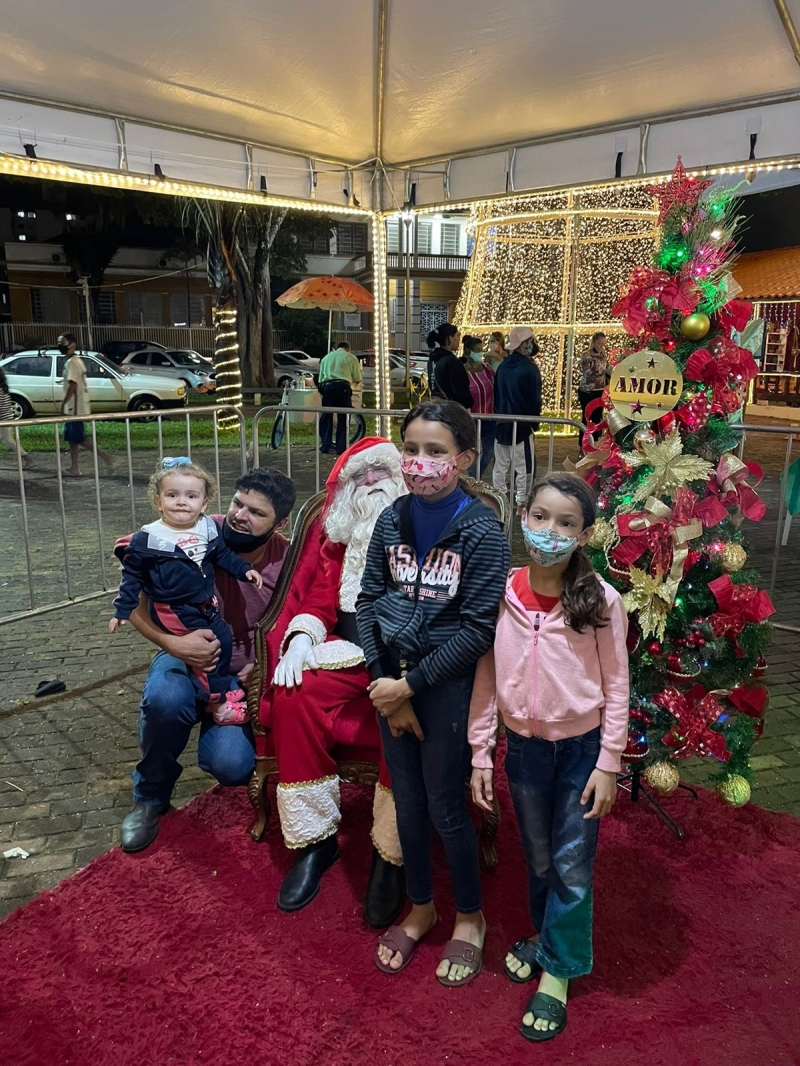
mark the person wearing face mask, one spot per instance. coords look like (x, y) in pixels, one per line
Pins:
(481, 386)
(517, 391)
(446, 374)
(497, 350)
(558, 677)
(76, 402)
(429, 597)
(170, 708)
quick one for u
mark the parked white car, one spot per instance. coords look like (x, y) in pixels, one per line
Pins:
(179, 364)
(36, 384)
(419, 377)
(298, 358)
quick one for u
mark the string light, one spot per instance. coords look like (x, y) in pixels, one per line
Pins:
(226, 362)
(36, 168)
(381, 318)
(555, 262)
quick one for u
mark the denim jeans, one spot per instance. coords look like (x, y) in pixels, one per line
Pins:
(169, 711)
(429, 785)
(547, 779)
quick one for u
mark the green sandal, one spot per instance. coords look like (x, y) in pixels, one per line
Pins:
(524, 951)
(548, 1009)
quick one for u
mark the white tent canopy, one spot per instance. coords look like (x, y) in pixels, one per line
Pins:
(465, 99)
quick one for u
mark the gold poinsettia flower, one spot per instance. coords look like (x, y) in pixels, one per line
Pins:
(652, 598)
(671, 468)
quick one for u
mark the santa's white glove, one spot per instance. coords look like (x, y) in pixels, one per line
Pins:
(299, 653)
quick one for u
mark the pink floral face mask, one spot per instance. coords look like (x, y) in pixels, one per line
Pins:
(424, 476)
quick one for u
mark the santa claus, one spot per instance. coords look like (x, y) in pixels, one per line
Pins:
(318, 697)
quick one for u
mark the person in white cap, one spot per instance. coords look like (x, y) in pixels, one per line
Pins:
(517, 391)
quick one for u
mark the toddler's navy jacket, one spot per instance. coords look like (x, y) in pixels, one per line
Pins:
(166, 574)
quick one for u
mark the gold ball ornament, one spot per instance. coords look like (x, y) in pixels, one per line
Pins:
(663, 777)
(694, 327)
(732, 558)
(643, 435)
(734, 790)
(604, 533)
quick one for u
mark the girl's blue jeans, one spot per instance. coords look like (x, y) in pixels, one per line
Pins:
(547, 779)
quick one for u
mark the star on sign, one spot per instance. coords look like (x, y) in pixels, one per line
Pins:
(651, 363)
(681, 190)
(636, 407)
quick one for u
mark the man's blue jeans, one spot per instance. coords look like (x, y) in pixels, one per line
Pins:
(169, 712)
(547, 779)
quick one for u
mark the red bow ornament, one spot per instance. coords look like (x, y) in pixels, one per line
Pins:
(694, 712)
(680, 294)
(738, 605)
(640, 305)
(664, 531)
(727, 369)
(728, 489)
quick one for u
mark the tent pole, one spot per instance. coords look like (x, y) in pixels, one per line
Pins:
(330, 320)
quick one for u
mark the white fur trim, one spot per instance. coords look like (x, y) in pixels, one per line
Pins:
(309, 811)
(384, 827)
(377, 455)
(338, 654)
(308, 624)
(350, 582)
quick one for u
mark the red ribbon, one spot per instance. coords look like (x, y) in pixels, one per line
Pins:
(735, 315)
(752, 700)
(727, 368)
(738, 605)
(657, 536)
(728, 489)
(694, 712)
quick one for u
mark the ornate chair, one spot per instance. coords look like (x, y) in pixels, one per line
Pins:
(357, 761)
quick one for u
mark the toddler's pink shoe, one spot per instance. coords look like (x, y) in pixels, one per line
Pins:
(234, 710)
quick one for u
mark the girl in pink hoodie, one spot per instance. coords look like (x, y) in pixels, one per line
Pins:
(558, 677)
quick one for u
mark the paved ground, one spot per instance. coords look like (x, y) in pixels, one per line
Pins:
(65, 761)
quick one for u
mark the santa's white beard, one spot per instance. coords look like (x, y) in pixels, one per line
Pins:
(351, 521)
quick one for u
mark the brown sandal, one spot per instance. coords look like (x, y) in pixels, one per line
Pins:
(461, 952)
(398, 940)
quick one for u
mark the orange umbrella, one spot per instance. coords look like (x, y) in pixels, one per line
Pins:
(330, 294)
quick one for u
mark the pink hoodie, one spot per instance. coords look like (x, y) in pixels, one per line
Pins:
(554, 683)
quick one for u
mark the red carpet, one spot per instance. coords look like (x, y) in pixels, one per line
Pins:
(180, 956)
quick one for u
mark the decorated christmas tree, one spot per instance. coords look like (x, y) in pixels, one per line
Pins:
(673, 496)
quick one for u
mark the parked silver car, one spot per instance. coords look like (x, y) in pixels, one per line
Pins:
(419, 377)
(36, 384)
(177, 363)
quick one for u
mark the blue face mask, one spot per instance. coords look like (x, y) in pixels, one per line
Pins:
(545, 546)
(477, 356)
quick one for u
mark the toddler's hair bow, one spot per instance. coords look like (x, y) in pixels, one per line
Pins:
(169, 461)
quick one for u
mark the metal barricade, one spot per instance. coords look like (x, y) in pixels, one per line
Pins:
(387, 422)
(47, 510)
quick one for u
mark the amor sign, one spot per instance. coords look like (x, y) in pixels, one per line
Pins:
(645, 385)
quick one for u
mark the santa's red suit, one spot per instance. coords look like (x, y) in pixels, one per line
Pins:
(331, 709)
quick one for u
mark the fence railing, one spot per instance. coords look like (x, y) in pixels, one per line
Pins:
(36, 334)
(448, 264)
(61, 528)
(387, 421)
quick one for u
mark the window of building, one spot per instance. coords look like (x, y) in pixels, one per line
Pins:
(319, 245)
(21, 237)
(50, 305)
(424, 230)
(351, 238)
(392, 235)
(431, 316)
(178, 309)
(451, 238)
(143, 308)
(106, 308)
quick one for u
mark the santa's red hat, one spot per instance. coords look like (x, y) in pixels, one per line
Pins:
(369, 451)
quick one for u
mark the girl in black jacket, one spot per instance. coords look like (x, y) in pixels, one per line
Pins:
(446, 373)
(435, 573)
